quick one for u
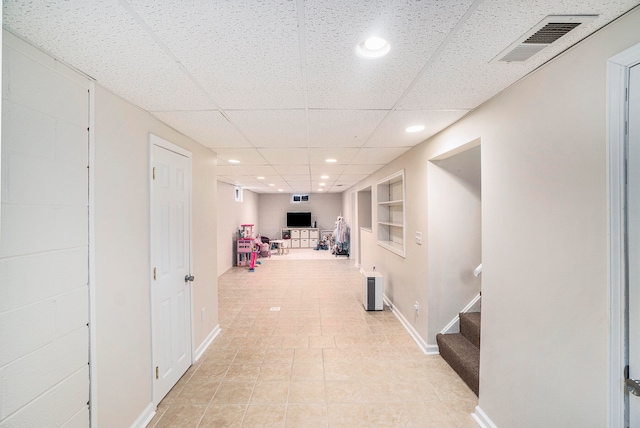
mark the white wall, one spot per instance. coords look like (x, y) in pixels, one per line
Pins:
(544, 355)
(231, 215)
(122, 253)
(455, 237)
(44, 376)
(324, 208)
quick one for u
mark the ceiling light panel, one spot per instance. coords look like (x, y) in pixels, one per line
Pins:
(342, 155)
(380, 155)
(127, 61)
(349, 128)
(339, 79)
(272, 128)
(245, 156)
(209, 128)
(392, 131)
(447, 85)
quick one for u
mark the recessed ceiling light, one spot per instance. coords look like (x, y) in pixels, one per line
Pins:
(323, 184)
(233, 161)
(319, 190)
(280, 190)
(271, 185)
(260, 178)
(324, 177)
(373, 47)
(415, 128)
(331, 161)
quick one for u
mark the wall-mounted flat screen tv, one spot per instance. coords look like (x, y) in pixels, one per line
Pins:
(299, 219)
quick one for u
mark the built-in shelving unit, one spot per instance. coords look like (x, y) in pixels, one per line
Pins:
(390, 198)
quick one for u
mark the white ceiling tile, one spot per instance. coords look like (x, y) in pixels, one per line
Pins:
(127, 61)
(361, 169)
(286, 156)
(193, 63)
(296, 177)
(246, 54)
(272, 128)
(258, 170)
(340, 79)
(342, 155)
(209, 128)
(245, 156)
(391, 132)
(292, 169)
(332, 170)
(448, 85)
(377, 156)
(229, 170)
(348, 128)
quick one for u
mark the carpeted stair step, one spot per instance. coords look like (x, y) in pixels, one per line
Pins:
(463, 357)
(470, 327)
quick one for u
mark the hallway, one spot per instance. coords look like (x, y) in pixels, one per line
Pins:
(321, 361)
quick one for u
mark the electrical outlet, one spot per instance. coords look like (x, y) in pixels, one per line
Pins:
(417, 307)
(203, 314)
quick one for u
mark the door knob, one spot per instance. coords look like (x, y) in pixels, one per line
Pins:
(188, 278)
(633, 386)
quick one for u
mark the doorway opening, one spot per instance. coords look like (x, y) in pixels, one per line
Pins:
(454, 235)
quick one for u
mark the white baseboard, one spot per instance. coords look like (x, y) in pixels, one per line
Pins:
(427, 349)
(145, 417)
(205, 344)
(432, 350)
(454, 324)
(482, 419)
(221, 271)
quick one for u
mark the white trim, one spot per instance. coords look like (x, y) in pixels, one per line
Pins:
(93, 316)
(206, 343)
(482, 419)
(155, 140)
(617, 80)
(145, 417)
(427, 349)
(454, 324)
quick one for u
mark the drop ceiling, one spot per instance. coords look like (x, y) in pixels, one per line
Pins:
(276, 85)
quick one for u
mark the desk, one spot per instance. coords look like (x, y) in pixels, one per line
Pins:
(281, 244)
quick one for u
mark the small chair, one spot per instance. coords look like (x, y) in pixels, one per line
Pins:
(285, 246)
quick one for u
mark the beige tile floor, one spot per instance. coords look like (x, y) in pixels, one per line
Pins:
(321, 361)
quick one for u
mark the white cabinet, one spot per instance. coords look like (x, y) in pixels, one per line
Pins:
(390, 197)
(301, 237)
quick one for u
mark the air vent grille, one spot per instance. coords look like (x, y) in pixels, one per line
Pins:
(522, 53)
(546, 32)
(552, 32)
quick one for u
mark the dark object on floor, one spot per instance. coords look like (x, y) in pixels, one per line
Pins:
(462, 350)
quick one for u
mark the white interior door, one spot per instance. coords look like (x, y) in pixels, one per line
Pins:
(170, 248)
(633, 239)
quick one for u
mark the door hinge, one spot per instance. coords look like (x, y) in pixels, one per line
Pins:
(156, 372)
(626, 372)
(154, 274)
(154, 173)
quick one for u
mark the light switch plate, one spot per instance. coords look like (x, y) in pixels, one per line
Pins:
(419, 238)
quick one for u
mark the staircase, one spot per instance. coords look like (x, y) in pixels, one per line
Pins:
(462, 350)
